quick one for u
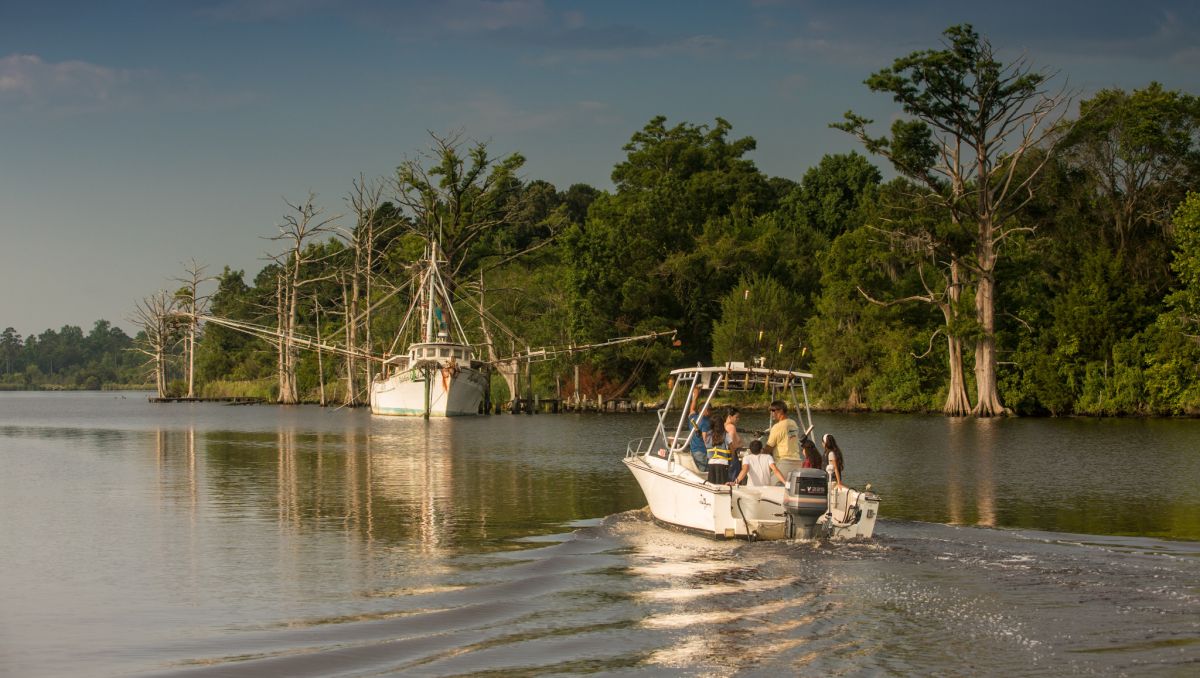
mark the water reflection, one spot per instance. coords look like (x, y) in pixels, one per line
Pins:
(416, 474)
(970, 471)
(413, 483)
(176, 468)
(141, 538)
(442, 485)
(985, 487)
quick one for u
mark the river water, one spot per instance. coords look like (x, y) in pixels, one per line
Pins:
(210, 540)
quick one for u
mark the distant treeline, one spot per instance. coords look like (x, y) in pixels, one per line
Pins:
(1021, 260)
(102, 358)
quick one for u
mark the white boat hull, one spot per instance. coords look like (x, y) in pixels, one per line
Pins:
(452, 393)
(678, 496)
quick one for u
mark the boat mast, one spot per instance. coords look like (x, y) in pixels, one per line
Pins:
(430, 276)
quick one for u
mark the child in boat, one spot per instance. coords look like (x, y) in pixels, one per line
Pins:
(758, 466)
(812, 458)
(720, 456)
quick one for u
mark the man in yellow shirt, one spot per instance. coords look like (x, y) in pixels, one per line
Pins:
(783, 442)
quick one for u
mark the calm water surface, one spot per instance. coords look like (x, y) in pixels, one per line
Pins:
(181, 540)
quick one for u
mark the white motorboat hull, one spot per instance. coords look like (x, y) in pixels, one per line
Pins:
(452, 393)
(678, 496)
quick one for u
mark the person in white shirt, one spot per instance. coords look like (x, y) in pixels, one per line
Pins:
(759, 467)
(833, 458)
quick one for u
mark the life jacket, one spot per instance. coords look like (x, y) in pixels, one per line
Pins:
(720, 455)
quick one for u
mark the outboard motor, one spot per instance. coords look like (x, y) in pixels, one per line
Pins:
(806, 498)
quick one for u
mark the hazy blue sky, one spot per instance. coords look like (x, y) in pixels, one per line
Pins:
(137, 134)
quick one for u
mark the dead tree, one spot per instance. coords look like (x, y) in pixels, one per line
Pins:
(320, 362)
(300, 228)
(192, 304)
(156, 315)
(366, 201)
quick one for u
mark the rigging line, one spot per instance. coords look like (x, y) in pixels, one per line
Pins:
(404, 323)
(440, 285)
(485, 314)
(267, 333)
(634, 373)
(370, 307)
(548, 352)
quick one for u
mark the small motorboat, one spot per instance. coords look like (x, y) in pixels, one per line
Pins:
(811, 504)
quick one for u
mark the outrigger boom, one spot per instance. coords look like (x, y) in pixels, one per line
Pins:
(310, 343)
(440, 373)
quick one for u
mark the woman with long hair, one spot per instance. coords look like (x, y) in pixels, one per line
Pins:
(834, 461)
(812, 458)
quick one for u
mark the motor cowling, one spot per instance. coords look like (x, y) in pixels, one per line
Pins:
(806, 499)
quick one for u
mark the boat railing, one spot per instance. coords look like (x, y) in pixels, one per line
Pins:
(640, 446)
(654, 447)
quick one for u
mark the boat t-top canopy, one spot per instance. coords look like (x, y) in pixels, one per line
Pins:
(692, 382)
(739, 377)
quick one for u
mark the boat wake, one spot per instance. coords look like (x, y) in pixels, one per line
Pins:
(623, 595)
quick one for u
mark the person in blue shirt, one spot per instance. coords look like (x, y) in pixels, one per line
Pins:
(701, 427)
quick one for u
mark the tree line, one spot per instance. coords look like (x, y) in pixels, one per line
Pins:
(1023, 257)
(68, 358)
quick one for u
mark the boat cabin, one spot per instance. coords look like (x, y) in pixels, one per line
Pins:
(443, 352)
(432, 354)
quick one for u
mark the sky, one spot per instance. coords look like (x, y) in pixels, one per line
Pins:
(137, 135)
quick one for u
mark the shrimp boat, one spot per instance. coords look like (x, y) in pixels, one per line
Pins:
(811, 504)
(439, 375)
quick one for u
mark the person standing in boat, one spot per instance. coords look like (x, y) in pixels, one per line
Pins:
(834, 463)
(783, 442)
(812, 458)
(758, 466)
(719, 455)
(701, 434)
(733, 441)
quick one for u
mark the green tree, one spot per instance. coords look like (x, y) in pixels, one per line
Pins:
(1141, 151)
(224, 353)
(830, 196)
(856, 344)
(1185, 302)
(641, 260)
(457, 195)
(10, 348)
(577, 199)
(974, 119)
(759, 319)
